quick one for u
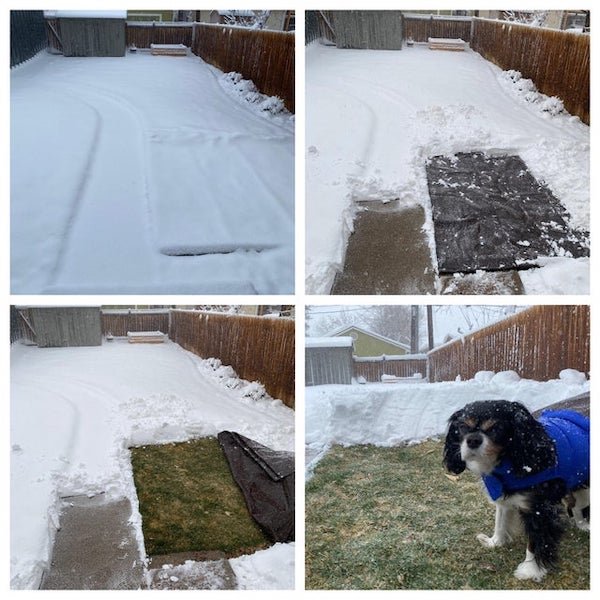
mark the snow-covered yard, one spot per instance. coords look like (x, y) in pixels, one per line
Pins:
(148, 174)
(387, 414)
(375, 117)
(75, 412)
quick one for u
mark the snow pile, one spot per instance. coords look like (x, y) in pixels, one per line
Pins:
(529, 92)
(75, 412)
(386, 415)
(257, 571)
(235, 85)
(374, 118)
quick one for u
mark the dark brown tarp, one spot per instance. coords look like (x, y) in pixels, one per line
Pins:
(267, 480)
(490, 213)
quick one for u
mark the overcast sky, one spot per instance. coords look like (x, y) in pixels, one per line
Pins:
(447, 320)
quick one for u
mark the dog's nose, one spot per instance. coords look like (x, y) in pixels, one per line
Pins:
(474, 440)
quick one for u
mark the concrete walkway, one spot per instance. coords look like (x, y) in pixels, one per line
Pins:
(96, 549)
(388, 253)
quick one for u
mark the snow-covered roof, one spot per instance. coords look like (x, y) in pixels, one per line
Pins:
(339, 330)
(329, 342)
(85, 14)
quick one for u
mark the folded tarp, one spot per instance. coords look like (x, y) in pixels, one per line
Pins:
(266, 478)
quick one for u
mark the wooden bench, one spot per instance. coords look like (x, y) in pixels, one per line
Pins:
(146, 337)
(457, 45)
(168, 49)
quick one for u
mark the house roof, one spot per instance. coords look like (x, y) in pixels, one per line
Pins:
(341, 330)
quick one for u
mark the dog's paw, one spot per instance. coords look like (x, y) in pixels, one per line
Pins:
(490, 542)
(583, 525)
(529, 569)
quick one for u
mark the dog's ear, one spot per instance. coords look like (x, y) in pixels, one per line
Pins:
(531, 449)
(452, 460)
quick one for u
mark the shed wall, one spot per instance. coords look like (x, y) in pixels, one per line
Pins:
(368, 29)
(62, 327)
(328, 366)
(93, 37)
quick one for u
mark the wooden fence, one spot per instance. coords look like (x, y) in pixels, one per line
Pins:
(537, 343)
(558, 62)
(142, 35)
(119, 322)
(420, 29)
(257, 348)
(372, 368)
(265, 57)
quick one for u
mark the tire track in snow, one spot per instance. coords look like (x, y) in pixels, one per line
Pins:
(90, 208)
(79, 196)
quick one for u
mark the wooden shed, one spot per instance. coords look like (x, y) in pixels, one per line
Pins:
(55, 327)
(88, 33)
(368, 29)
(328, 360)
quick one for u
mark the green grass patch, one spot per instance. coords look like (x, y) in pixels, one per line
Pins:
(390, 518)
(189, 501)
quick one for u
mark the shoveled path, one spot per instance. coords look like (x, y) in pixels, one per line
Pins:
(96, 549)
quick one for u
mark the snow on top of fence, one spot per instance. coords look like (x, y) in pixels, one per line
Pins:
(385, 357)
(135, 311)
(420, 16)
(85, 14)
(159, 24)
(329, 342)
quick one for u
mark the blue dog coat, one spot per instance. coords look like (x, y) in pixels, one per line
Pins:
(570, 432)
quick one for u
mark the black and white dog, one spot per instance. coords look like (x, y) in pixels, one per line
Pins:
(529, 467)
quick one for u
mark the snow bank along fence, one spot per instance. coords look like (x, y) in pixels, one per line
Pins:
(265, 57)
(372, 368)
(118, 322)
(27, 35)
(537, 343)
(558, 62)
(258, 348)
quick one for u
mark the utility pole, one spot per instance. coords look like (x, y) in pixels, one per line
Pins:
(414, 329)
(430, 326)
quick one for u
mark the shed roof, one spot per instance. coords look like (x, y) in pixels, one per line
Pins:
(85, 14)
(329, 342)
